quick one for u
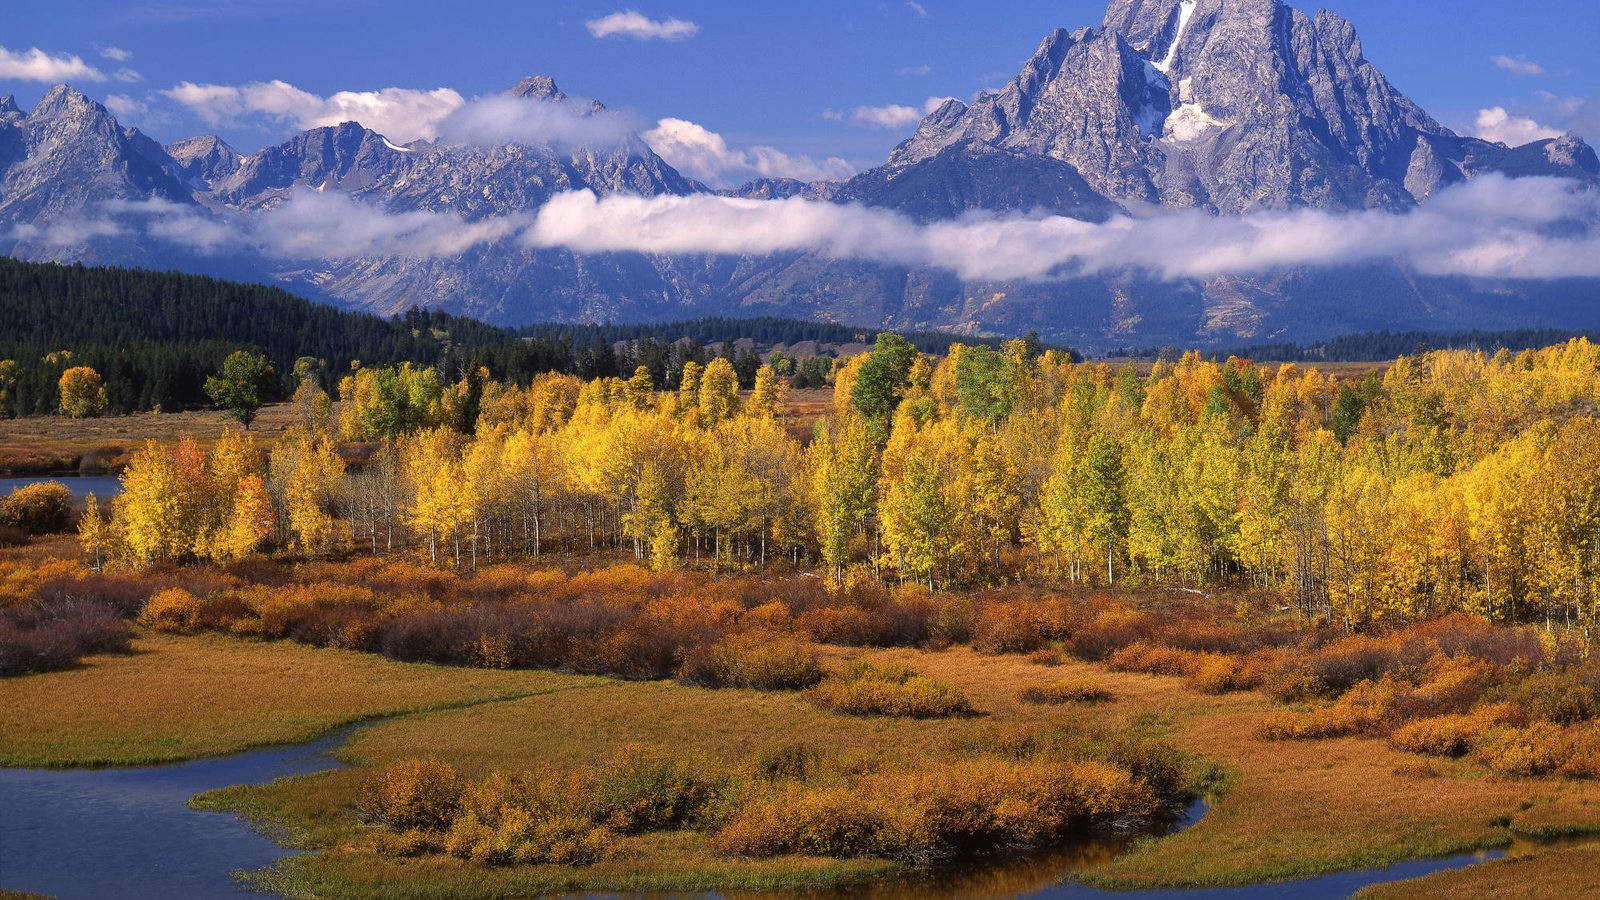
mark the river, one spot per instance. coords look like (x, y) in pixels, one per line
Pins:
(129, 833)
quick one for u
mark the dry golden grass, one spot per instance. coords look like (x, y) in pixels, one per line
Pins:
(182, 697)
(44, 444)
(1289, 809)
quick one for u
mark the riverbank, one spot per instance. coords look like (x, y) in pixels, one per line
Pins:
(1283, 810)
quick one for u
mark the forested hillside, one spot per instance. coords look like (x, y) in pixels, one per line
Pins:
(154, 337)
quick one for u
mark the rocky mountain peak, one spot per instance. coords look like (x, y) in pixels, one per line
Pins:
(8, 107)
(537, 87)
(204, 160)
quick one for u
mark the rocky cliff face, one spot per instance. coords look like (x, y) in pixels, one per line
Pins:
(1229, 106)
(1226, 105)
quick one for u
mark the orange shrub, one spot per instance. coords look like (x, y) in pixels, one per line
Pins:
(173, 609)
(1361, 710)
(1536, 749)
(412, 793)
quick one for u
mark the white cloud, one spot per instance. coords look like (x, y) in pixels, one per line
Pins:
(891, 116)
(36, 65)
(401, 114)
(1493, 226)
(703, 154)
(127, 75)
(1495, 124)
(633, 24)
(116, 54)
(918, 8)
(919, 71)
(125, 107)
(1490, 227)
(502, 119)
(1517, 65)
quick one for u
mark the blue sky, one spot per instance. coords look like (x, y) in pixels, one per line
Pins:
(813, 81)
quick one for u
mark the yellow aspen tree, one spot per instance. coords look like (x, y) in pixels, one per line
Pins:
(94, 532)
(719, 392)
(249, 521)
(149, 515)
(767, 397)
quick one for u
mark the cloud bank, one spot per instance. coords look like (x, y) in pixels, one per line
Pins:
(34, 64)
(1528, 228)
(633, 24)
(1496, 124)
(705, 155)
(503, 119)
(402, 114)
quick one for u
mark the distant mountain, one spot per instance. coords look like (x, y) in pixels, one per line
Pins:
(1226, 106)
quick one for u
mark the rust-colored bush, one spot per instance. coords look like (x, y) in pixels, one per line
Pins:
(1110, 630)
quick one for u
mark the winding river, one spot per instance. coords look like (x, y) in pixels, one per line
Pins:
(129, 832)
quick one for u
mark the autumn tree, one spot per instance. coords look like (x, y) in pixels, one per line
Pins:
(82, 393)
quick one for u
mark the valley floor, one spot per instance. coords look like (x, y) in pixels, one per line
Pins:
(1283, 809)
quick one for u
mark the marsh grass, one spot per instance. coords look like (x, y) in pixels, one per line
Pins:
(180, 697)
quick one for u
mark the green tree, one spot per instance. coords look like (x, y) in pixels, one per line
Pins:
(882, 380)
(247, 382)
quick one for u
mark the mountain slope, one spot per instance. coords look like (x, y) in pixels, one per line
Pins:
(1224, 106)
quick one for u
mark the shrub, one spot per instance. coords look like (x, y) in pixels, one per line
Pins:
(1583, 760)
(173, 609)
(54, 635)
(965, 808)
(40, 508)
(12, 537)
(641, 789)
(794, 760)
(1110, 630)
(760, 660)
(526, 819)
(1447, 735)
(1360, 710)
(1049, 656)
(1068, 690)
(1558, 696)
(865, 689)
(1537, 749)
(412, 793)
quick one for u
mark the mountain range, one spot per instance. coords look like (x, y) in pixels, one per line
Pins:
(1230, 107)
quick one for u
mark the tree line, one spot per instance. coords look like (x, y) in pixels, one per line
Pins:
(155, 338)
(1456, 481)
